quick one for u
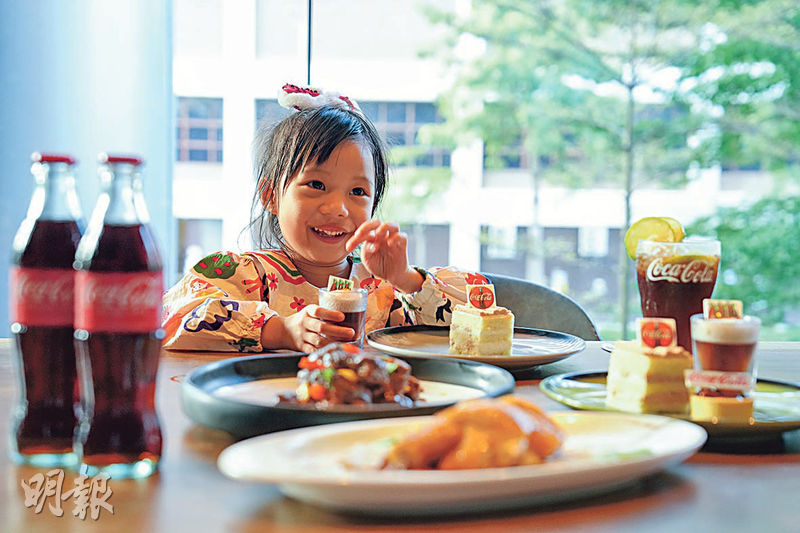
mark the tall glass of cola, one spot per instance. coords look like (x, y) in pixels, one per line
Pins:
(674, 278)
(45, 415)
(118, 289)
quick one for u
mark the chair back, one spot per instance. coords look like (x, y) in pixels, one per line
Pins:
(537, 306)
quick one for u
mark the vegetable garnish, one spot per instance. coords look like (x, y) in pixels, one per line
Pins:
(316, 391)
(327, 374)
(351, 348)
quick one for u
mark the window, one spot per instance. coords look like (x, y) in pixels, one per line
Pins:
(199, 130)
(269, 112)
(592, 241)
(196, 239)
(398, 124)
(429, 244)
(502, 250)
(501, 242)
(397, 64)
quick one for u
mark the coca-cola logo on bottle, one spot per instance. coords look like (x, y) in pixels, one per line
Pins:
(42, 291)
(42, 297)
(695, 271)
(126, 296)
(118, 301)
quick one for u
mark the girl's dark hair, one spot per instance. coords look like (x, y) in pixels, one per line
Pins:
(280, 151)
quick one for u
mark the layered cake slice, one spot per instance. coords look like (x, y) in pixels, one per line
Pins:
(648, 380)
(475, 331)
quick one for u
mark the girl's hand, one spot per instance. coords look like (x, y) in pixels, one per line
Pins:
(385, 254)
(307, 330)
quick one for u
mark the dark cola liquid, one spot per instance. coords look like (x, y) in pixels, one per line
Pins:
(725, 357)
(118, 370)
(669, 299)
(45, 419)
(123, 425)
(356, 321)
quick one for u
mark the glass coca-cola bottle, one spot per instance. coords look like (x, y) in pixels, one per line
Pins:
(118, 289)
(45, 416)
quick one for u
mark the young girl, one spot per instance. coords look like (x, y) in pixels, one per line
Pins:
(321, 174)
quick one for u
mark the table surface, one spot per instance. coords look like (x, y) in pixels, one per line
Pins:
(731, 489)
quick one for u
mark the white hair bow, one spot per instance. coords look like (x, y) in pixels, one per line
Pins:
(300, 98)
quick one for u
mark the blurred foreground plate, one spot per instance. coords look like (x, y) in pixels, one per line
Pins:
(530, 347)
(776, 404)
(336, 466)
(240, 395)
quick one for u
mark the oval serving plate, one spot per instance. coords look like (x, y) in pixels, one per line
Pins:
(240, 395)
(530, 347)
(337, 466)
(776, 404)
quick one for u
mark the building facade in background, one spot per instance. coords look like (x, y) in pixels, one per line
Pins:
(230, 59)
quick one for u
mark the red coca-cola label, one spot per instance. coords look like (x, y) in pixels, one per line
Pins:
(41, 296)
(118, 302)
(739, 381)
(695, 271)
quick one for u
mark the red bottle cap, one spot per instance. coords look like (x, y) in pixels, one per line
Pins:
(38, 157)
(112, 159)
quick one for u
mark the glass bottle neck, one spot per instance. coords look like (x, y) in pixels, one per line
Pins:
(54, 197)
(121, 200)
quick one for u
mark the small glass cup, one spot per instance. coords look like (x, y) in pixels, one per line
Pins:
(353, 304)
(725, 348)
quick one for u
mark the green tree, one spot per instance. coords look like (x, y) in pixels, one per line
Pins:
(586, 88)
(759, 263)
(747, 70)
(412, 188)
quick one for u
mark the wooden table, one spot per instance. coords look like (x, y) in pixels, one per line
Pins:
(746, 489)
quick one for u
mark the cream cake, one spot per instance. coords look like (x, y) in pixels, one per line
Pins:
(476, 331)
(648, 380)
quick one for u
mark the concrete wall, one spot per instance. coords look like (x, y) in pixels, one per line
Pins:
(82, 77)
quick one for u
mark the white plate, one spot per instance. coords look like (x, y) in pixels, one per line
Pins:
(530, 347)
(316, 465)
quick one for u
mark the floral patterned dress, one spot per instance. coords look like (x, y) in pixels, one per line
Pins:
(222, 303)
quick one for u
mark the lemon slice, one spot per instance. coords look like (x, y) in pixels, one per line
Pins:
(648, 229)
(677, 228)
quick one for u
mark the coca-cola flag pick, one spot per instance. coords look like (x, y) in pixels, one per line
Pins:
(339, 284)
(652, 332)
(713, 309)
(481, 296)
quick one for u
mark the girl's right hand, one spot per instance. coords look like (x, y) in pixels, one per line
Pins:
(307, 330)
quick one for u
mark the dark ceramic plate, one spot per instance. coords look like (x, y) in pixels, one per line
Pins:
(240, 395)
(776, 404)
(530, 347)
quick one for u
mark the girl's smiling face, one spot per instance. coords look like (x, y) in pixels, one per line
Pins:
(323, 204)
